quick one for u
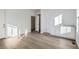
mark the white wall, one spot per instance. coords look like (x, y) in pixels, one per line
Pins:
(77, 29)
(20, 18)
(47, 21)
(2, 21)
(17, 17)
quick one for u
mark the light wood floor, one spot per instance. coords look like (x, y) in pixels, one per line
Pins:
(36, 41)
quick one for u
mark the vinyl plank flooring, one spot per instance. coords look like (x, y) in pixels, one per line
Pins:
(36, 41)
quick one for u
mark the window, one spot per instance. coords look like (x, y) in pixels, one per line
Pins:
(65, 29)
(58, 20)
(11, 30)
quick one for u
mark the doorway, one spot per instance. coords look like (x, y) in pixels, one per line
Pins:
(39, 23)
(32, 23)
(36, 23)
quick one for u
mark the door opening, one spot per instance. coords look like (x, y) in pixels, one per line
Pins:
(39, 23)
(32, 23)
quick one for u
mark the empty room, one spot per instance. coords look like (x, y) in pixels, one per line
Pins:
(38, 29)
